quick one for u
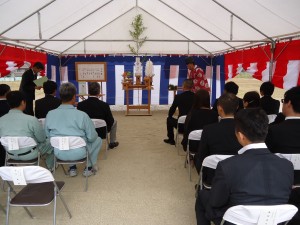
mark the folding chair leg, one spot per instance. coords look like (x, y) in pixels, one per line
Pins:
(64, 203)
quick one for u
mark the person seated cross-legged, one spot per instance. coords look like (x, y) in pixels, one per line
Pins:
(66, 120)
(97, 109)
(183, 102)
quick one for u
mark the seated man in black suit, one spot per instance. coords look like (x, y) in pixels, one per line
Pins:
(232, 88)
(97, 109)
(49, 102)
(183, 102)
(284, 138)
(254, 177)
(267, 103)
(4, 108)
(219, 138)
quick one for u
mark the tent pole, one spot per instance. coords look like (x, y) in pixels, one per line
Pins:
(195, 23)
(250, 25)
(40, 26)
(231, 26)
(273, 45)
(75, 22)
(26, 17)
(174, 30)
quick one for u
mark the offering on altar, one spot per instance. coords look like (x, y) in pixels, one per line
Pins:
(137, 67)
(149, 69)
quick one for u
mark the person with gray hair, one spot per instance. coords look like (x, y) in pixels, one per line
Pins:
(67, 121)
(97, 109)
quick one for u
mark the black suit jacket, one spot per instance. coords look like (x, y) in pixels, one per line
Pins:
(256, 177)
(285, 138)
(4, 107)
(184, 102)
(27, 85)
(269, 104)
(217, 139)
(44, 105)
(97, 109)
(196, 120)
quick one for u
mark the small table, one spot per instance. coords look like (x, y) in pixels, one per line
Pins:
(129, 87)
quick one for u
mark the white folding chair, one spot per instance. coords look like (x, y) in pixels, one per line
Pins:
(210, 162)
(181, 121)
(41, 189)
(294, 158)
(98, 123)
(42, 121)
(259, 215)
(68, 143)
(271, 118)
(194, 135)
(12, 144)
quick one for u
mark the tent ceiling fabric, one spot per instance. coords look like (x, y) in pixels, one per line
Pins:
(173, 26)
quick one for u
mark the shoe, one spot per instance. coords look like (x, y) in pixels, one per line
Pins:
(168, 141)
(88, 173)
(113, 145)
(73, 172)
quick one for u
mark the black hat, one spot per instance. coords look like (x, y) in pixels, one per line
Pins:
(189, 60)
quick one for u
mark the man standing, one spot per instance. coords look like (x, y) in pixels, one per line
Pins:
(66, 120)
(15, 124)
(219, 138)
(183, 102)
(97, 109)
(28, 87)
(254, 177)
(49, 102)
(197, 75)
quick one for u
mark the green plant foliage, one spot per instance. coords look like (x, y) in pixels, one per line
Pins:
(138, 29)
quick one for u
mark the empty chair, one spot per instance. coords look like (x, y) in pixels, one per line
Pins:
(194, 135)
(41, 189)
(261, 215)
(180, 122)
(99, 123)
(210, 162)
(67, 144)
(12, 144)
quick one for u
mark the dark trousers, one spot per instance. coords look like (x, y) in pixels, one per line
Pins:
(204, 213)
(29, 107)
(171, 124)
(2, 155)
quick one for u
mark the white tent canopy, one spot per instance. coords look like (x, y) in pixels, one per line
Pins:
(173, 26)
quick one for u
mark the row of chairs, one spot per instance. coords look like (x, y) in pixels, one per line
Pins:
(196, 136)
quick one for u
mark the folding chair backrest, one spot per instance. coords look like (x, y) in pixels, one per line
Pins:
(271, 118)
(213, 160)
(98, 123)
(32, 174)
(67, 142)
(195, 135)
(181, 119)
(15, 143)
(294, 158)
(267, 214)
